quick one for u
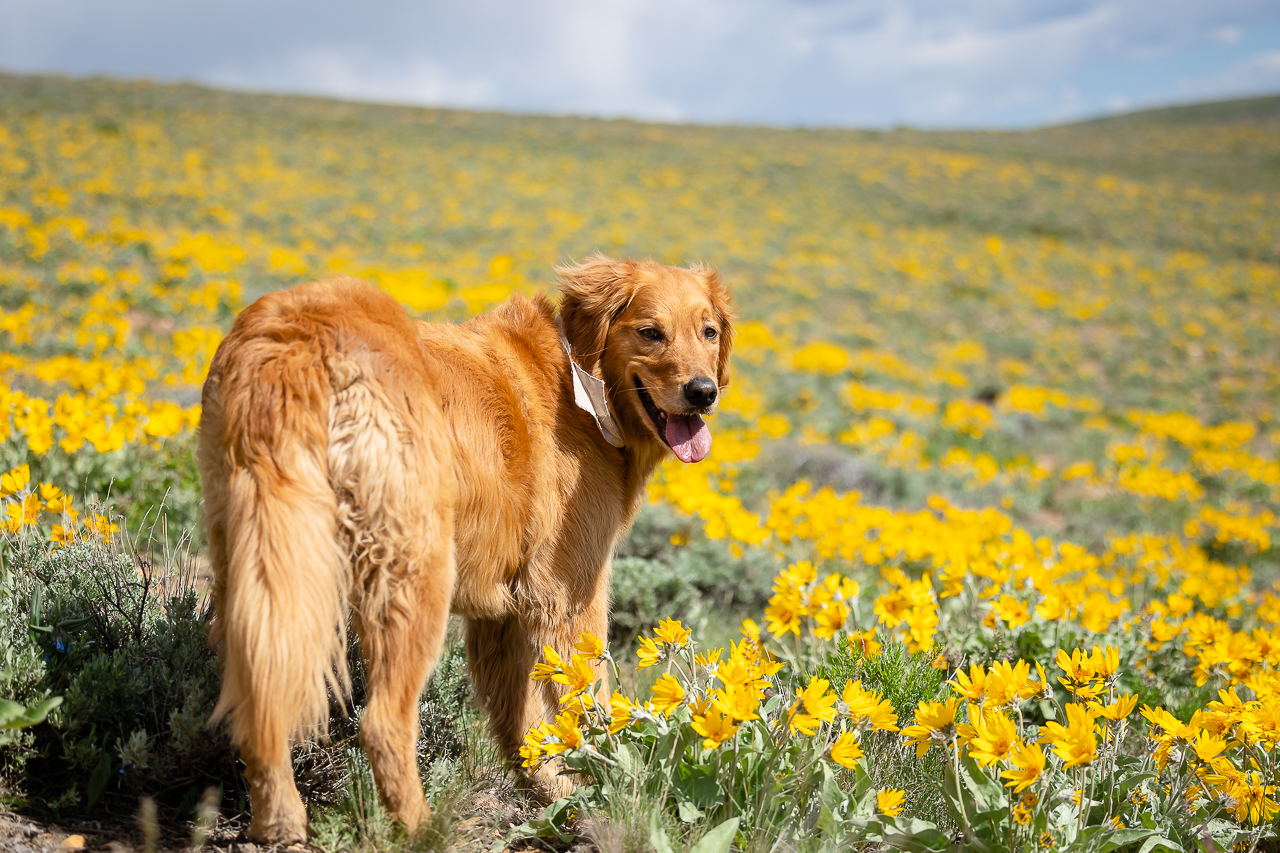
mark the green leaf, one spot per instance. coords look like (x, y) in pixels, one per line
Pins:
(658, 836)
(1127, 782)
(699, 785)
(988, 793)
(98, 780)
(627, 759)
(15, 716)
(550, 824)
(1113, 839)
(834, 799)
(689, 813)
(863, 783)
(719, 839)
(41, 711)
(10, 712)
(912, 834)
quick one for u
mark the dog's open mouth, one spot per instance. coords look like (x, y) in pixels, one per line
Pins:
(686, 435)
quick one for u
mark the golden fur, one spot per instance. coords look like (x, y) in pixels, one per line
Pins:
(353, 459)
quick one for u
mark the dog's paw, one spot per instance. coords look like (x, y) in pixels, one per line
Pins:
(548, 782)
(285, 826)
(413, 816)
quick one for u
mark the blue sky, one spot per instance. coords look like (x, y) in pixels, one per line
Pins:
(861, 63)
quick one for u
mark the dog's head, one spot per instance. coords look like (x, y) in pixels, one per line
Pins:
(659, 336)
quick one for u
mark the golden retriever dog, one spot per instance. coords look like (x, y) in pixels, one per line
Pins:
(356, 460)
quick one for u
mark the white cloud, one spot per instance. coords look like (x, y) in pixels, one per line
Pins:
(869, 62)
(354, 74)
(1257, 75)
(1227, 34)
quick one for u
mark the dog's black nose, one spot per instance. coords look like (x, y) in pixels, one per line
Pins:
(701, 391)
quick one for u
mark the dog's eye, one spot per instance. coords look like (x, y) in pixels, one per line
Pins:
(650, 333)
(710, 333)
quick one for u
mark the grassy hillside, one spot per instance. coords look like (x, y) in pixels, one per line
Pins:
(1019, 390)
(1264, 111)
(1228, 145)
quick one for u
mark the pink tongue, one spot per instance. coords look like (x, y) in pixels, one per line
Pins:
(688, 437)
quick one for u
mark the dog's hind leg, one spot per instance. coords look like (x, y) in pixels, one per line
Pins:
(395, 502)
(400, 652)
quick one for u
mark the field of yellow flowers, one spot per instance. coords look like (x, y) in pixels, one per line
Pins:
(1002, 424)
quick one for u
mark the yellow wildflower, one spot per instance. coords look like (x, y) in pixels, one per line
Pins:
(532, 749)
(935, 723)
(861, 704)
(995, 738)
(578, 676)
(1117, 710)
(589, 646)
(1006, 682)
(552, 664)
(889, 801)
(973, 685)
(1075, 743)
(671, 632)
(1028, 762)
(565, 730)
(714, 727)
(650, 652)
(1015, 613)
(846, 751)
(620, 708)
(15, 481)
(819, 706)
(667, 694)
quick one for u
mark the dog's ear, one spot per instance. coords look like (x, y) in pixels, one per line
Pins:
(594, 293)
(719, 293)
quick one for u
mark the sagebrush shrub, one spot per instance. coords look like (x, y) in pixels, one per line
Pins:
(123, 639)
(667, 567)
(21, 675)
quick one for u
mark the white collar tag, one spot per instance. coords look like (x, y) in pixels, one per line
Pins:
(589, 394)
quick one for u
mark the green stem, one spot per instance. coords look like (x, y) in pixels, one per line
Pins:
(767, 780)
(1008, 796)
(1082, 810)
(964, 814)
(733, 770)
(1093, 783)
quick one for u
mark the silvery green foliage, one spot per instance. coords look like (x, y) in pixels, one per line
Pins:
(121, 638)
(21, 672)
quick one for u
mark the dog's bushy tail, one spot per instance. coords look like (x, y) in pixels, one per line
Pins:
(281, 580)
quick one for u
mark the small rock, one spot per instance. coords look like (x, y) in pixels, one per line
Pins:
(73, 842)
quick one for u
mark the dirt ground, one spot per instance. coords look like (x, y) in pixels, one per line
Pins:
(19, 834)
(485, 818)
